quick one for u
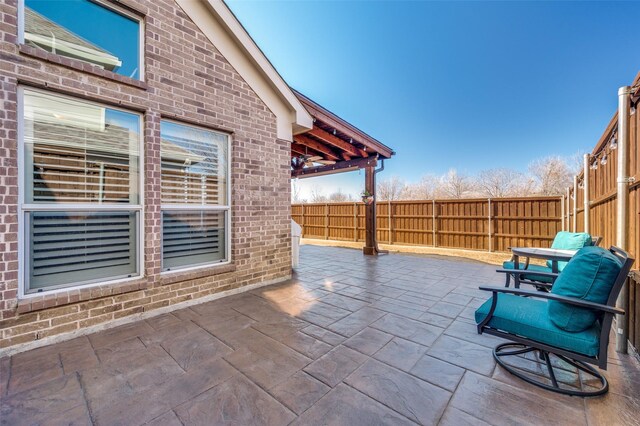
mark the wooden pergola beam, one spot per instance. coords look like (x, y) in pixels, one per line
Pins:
(315, 145)
(319, 113)
(297, 149)
(330, 139)
(342, 166)
(305, 150)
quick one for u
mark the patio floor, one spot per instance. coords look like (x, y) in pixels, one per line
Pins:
(350, 340)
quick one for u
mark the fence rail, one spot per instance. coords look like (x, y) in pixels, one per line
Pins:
(476, 224)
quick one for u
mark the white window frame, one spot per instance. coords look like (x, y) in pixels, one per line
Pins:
(200, 207)
(23, 208)
(109, 6)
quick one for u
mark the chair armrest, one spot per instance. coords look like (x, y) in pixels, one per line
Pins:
(528, 272)
(557, 297)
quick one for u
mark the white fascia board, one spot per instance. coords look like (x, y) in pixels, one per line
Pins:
(225, 32)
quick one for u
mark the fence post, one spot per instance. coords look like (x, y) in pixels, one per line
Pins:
(355, 221)
(489, 228)
(585, 185)
(303, 221)
(434, 223)
(568, 210)
(326, 221)
(390, 227)
(575, 204)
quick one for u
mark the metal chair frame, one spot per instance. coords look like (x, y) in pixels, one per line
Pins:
(578, 360)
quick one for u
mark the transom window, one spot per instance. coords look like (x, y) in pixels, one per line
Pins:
(85, 30)
(195, 196)
(80, 202)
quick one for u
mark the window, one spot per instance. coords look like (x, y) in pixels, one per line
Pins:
(85, 30)
(80, 200)
(195, 196)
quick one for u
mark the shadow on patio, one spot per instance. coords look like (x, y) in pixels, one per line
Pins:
(350, 340)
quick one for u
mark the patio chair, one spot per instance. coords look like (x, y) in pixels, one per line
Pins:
(571, 323)
(544, 277)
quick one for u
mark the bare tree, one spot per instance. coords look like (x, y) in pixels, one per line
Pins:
(295, 192)
(390, 189)
(427, 188)
(552, 175)
(317, 195)
(495, 183)
(339, 197)
(454, 185)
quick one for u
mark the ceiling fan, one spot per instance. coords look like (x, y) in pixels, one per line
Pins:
(308, 160)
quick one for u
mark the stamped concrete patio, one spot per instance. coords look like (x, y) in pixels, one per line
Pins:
(350, 340)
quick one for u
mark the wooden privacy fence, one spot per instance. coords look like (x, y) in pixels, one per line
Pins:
(602, 197)
(477, 224)
(600, 192)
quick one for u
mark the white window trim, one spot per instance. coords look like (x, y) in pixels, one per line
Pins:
(200, 207)
(109, 6)
(23, 208)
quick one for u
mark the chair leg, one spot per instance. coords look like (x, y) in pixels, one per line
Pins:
(506, 284)
(512, 349)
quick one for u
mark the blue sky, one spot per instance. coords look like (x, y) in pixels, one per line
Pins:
(468, 85)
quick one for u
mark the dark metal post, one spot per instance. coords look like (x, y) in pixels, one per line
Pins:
(622, 220)
(370, 212)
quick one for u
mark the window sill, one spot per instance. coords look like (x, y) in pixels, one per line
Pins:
(171, 277)
(71, 295)
(78, 65)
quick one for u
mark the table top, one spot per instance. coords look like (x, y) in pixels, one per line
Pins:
(544, 253)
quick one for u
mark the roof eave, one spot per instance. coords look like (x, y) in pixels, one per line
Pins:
(323, 114)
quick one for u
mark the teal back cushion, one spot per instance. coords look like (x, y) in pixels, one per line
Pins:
(569, 241)
(589, 276)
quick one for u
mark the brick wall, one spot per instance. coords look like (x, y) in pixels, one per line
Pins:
(187, 80)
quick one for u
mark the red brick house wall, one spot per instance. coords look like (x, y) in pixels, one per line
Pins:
(188, 80)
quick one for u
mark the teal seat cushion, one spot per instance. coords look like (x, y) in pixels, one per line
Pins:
(589, 276)
(527, 317)
(539, 268)
(569, 241)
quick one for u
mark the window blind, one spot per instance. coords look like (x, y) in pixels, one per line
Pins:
(192, 238)
(80, 247)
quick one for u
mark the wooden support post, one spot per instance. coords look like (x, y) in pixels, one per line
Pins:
(370, 213)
